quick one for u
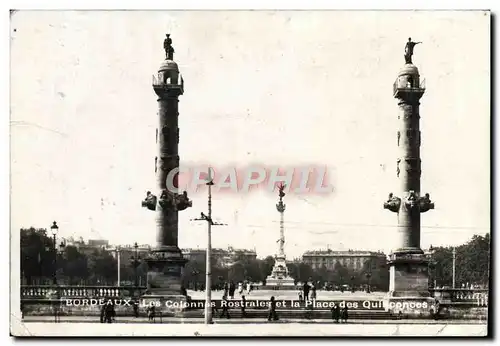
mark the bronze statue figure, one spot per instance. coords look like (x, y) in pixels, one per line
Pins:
(281, 189)
(169, 50)
(410, 45)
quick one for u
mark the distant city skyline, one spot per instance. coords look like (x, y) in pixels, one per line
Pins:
(274, 88)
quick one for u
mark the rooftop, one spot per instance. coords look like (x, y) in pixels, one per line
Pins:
(349, 252)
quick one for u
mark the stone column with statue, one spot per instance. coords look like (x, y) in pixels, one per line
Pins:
(408, 285)
(279, 277)
(165, 261)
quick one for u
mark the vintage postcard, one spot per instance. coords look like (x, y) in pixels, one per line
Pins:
(250, 173)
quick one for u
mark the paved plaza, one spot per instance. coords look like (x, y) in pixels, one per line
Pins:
(294, 295)
(140, 327)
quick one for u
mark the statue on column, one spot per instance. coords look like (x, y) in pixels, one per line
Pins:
(393, 203)
(425, 203)
(410, 45)
(150, 201)
(169, 50)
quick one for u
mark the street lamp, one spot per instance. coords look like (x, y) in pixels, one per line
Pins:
(135, 263)
(368, 277)
(431, 268)
(195, 273)
(54, 229)
(210, 222)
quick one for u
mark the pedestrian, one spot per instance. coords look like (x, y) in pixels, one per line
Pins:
(249, 287)
(306, 291)
(345, 314)
(240, 288)
(226, 290)
(136, 309)
(103, 311)
(272, 310)
(232, 288)
(301, 297)
(243, 306)
(225, 310)
(109, 313)
(151, 313)
(336, 313)
(313, 293)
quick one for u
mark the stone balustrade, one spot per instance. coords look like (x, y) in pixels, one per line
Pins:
(456, 295)
(48, 292)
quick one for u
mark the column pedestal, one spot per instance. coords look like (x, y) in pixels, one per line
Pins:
(409, 294)
(165, 267)
(279, 277)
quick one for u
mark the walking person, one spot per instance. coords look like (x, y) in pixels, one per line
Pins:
(225, 310)
(345, 314)
(109, 313)
(272, 310)
(103, 311)
(336, 313)
(313, 293)
(136, 309)
(301, 296)
(232, 288)
(306, 291)
(151, 313)
(243, 306)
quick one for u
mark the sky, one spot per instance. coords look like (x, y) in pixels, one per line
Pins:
(266, 88)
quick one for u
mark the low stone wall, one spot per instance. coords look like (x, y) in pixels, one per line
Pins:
(478, 314)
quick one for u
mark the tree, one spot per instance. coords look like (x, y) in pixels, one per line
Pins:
(266, 266)
(73, 264)
(103, 267)
(37, 254)
(341, 274)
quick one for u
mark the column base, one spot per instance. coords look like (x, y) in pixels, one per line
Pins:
(164, 279)
(165, 305)
(279, 275)
(409, 294)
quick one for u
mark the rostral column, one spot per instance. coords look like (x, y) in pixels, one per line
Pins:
(408, 264)
(165, 261)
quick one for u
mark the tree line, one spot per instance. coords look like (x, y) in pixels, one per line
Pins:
(39, 262)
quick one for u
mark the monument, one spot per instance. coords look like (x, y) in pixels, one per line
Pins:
(165, 261)
(408, 264)
(279, 277)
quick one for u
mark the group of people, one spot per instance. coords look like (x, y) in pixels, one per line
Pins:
(307, 292)
(229, 289)
(340, 314)
(271, 316)
(108, 313)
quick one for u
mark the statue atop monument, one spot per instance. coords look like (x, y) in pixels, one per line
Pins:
(281, 189)
(410, 45)
(169, 50)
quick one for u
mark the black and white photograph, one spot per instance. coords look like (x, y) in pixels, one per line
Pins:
(250, 173)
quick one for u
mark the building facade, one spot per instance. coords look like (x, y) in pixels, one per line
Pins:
(350, 259)
(221, 257)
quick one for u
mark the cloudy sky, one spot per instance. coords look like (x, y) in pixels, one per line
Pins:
(265, 88)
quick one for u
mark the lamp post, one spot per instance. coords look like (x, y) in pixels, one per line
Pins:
(432, 266)
(454, 254)
(135, 263)
(118, 265)
(54, 229)
(368, 277)
(208, 219)
(195, 276)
